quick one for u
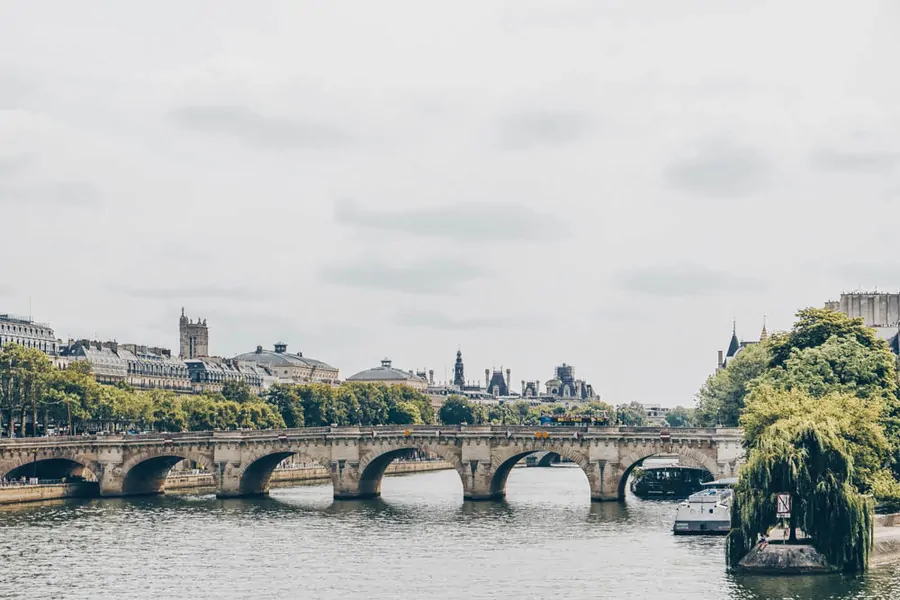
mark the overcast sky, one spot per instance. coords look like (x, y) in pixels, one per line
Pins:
(605, 184)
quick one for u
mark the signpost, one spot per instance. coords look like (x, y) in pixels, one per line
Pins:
(783, 506)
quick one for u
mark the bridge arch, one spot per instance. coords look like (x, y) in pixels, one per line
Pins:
(145, 473)
(690, 456)
(375, 461)
(506, 458)
(255, 475)
(50, 467)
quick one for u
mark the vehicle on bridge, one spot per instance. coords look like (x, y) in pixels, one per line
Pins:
(574, 420)
(669, 481)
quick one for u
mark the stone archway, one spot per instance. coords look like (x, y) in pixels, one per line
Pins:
(50, 467)
(375, 461)
(506, 458)
(255, 474)
(688, 455)
(145, 473)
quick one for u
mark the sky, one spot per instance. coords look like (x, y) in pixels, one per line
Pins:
(605, 184)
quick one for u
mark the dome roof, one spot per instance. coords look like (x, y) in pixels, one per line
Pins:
(384, 373)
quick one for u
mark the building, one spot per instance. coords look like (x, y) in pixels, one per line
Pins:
(735, 346)
(878, 310)
(388, 375)
(211, 373)
(564, 386)
(193, 337)
(291, 368)
(497, 386)
(27, 333)
(151, 367)
(459, 373)
(142, 367)
(656, 414)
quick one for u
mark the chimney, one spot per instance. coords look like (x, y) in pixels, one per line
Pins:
(431, 376)
(537, 387)
(487, 378)
(720, 359)
(508, 380)
(523, 387)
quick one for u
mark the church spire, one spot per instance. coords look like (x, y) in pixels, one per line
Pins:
(734, 344)
(763, 334)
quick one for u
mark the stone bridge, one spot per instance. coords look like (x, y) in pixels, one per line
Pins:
(242, 461)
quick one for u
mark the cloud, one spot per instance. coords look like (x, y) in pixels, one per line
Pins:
(428, 277)
(437, 320)
(200, 292)
(255, 129)
(531, 129)
(11, 165)
(684, 280)
(75, 194)
(719, 169)
(470, 222)
(829, 159)
(865, 274)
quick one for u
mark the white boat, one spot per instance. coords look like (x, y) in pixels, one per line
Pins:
(708, 512)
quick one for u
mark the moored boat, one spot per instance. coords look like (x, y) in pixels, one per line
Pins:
(707, 512)
(669, 481)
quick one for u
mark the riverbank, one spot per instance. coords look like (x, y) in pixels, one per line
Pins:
(181, 482)
(799, 559)
(20, 494)
(306, 475)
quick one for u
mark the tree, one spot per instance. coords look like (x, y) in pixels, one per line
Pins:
(286, 400)
(680, 417)
(856, 420)
(807, 457)
(721, 399)
(815, 326)
(457, 410)
(631, 414)
(405, 412)
(502, 414)
(238, 391)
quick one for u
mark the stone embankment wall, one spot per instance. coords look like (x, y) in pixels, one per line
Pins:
(305, 475)
(777, 559)
(18, 494)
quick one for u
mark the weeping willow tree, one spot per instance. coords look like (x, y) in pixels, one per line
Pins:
(808, 457)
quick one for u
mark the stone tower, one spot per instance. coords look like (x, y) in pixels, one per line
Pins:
(193, 337)
(459, 377)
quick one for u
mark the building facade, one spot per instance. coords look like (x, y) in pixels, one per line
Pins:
(142, 367)
(193, 337)
(388, 375)
(291, 368)
(210, 374)
(27, 333)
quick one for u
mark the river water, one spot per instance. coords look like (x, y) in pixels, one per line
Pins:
(420, 540)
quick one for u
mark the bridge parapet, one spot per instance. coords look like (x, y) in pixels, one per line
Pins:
(242, 461)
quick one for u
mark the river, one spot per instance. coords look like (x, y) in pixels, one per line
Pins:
(420, 540)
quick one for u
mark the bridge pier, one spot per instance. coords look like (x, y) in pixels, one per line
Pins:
(242, 462)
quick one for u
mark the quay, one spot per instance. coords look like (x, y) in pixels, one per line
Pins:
(356, 458)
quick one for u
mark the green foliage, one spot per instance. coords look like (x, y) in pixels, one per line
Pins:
(631, 414)
(238, 391)
(680, 417)
(721, 399)
(457, 410)
(318, 405)
(856, 420)
(815, 326)
(808, 457)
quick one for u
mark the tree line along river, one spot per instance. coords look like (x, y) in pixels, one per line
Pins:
(547, 540)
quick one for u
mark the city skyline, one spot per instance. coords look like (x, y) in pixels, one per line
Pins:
(596, 184)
